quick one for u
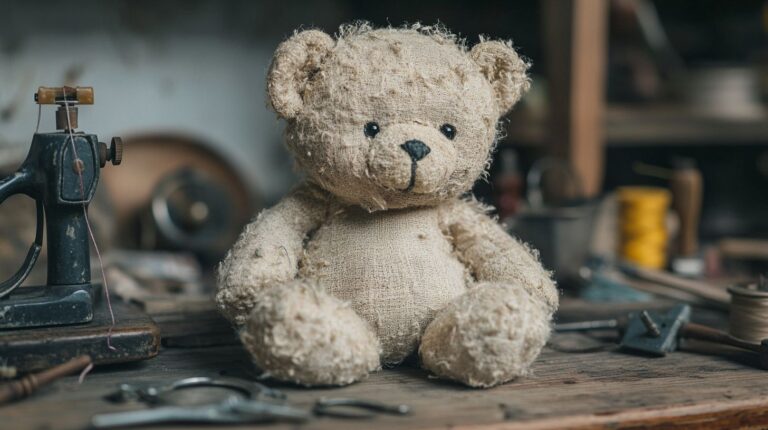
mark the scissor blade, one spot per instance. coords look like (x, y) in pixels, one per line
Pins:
(161, 415)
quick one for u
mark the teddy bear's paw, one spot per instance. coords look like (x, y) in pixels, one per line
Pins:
(298, 333)
(488, 336)
(236, 302)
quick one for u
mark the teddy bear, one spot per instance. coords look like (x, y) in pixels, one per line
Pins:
(379, 255)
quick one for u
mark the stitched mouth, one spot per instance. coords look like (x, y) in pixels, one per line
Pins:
(412, 182)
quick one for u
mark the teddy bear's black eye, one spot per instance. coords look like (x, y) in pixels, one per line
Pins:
(371, 129)
(448, 130)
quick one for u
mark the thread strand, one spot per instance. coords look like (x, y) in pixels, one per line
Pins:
(90, 230)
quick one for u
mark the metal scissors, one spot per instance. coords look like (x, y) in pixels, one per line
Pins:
(253, 403)
(233, 410)
(153, 393)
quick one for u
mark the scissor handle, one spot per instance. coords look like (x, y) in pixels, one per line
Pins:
(20, 183)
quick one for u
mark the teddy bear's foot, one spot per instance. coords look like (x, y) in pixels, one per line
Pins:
(487, 336)
(298, 333)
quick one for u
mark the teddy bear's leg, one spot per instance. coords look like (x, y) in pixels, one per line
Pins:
(298, 333)
(487, 336)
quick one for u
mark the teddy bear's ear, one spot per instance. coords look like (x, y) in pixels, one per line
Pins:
(295, 60)
(504, 69)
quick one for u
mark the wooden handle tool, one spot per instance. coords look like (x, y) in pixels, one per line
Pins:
(27, 385)
(709, 334)
(687, 188)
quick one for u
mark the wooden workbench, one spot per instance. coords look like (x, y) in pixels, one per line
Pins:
(604, 388)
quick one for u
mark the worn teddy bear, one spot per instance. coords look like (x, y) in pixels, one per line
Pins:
(377, 256)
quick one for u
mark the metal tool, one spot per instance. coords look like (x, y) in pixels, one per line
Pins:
(356, 408)
(609, 324)
(153, 393)
(251, 403)
(655, 333)
(659, 333)
(233, 410)
(60, 173)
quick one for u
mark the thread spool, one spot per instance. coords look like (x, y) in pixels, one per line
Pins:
(642, 225)
(748, 319)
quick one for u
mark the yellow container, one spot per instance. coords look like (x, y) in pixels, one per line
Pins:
(642, 225)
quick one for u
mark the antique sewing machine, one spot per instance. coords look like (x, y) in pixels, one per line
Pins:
(65, 317)
(60, 173)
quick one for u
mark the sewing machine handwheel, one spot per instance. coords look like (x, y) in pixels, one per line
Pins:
(16, 184)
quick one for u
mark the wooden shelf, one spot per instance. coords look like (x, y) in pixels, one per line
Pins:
(653, 125)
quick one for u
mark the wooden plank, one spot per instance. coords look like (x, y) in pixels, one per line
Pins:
(651, 125)
(606, 389)
(598, 390)
(679, 125)
(134, 337)
(195, 329)
(588, 92)
(575, 44)
(743, 249)
(750, 413)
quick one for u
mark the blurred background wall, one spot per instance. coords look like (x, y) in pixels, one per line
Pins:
(194, 68)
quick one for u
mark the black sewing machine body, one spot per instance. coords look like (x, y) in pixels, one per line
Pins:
(60, 173)
(42, 326)
(61, 177)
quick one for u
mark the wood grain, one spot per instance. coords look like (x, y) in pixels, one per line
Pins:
(135, 337)
(703, 386)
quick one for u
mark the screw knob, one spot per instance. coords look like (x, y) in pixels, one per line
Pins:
(116, 150)
(114, 153)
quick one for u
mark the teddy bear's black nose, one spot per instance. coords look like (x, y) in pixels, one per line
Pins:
(416, 149)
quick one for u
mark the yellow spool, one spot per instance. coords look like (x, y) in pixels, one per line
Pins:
(642, 225)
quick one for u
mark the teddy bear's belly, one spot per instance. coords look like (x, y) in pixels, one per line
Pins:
(395, 268)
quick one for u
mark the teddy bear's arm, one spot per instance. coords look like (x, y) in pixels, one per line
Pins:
(491, 254)
(267, 251)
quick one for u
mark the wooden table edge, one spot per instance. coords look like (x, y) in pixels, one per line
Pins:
(716, 414)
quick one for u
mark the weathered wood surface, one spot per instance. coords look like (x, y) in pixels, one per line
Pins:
(601, 389)
(135, 337)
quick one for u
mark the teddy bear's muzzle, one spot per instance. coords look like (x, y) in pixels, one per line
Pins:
(410, 158)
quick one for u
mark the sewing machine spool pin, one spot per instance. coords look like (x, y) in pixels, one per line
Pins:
(60, 173)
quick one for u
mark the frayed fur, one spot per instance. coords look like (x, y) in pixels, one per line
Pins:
(377, 255)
